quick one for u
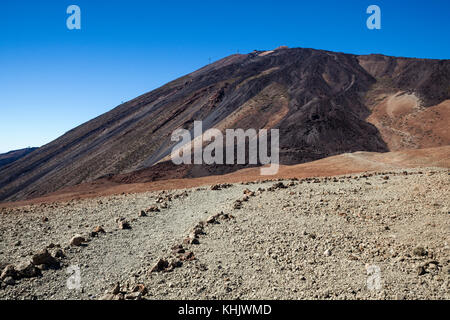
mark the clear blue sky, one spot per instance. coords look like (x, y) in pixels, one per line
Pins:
(53, 79)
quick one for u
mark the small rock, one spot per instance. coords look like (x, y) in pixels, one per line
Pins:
(59, 253)
(107, 296)
(237, 204)
(42, 267)
(140, 288)
(8, 271)
(279, 185)
(420, 251)
(124, 224)
(421, 270)
(197, 231)
(178, 249)
(161, 265)
(187, 256)
(119, 297)
(327, 253)
(191, 240)
(44, 257)
(28, 270)
(153, 209)
(433, 266)
(116, 289)
(142, 214)
(175, 263)
(133, 296)
(99, 229)
(9, 281)
(211, 219)
(77, 240)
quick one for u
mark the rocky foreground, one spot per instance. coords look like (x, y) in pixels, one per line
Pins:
(378, 235)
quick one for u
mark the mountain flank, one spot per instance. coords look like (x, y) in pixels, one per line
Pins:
(324, 104)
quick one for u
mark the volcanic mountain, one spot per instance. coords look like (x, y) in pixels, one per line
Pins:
(323, 103)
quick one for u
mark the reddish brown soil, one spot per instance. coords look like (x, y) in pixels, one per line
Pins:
(405, 124)
(337, 165)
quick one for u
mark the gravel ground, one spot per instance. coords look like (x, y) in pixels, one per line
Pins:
(365, 236)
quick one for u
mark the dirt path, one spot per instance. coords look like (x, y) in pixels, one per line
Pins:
(110, 257)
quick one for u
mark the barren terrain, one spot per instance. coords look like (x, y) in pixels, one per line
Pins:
(312, 238)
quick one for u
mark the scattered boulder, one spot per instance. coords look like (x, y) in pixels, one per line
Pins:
(116, 289)
(197, 231)
(153, 209)
(161, 265)
(110, 296)
(8, 271)
(279, 185)
(77, 240)
(187, 256)
(99, 229)
(133, 296)
(191, 240)
(421, 270)
(123, 224)
(211, 219)
(9, 281)
(140, 287)
(44, 257)
(249, 193)
(420, 251)
(42, 267)
(107, 296)
(175, 263)
(142, 214)
(27, 270)
(59, 253)
(178, 249)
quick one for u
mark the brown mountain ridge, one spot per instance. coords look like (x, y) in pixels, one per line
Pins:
(324, 103)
